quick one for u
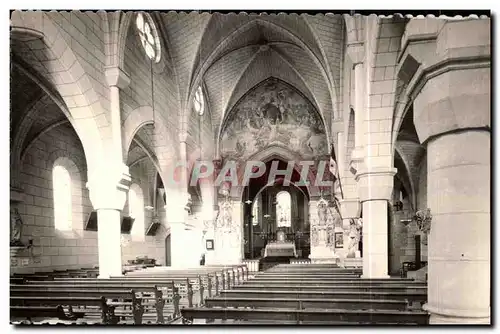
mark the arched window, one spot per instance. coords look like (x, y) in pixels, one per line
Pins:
(63, 209)
(199, 101)
(136, 211)
(148, 36)
(284, 209)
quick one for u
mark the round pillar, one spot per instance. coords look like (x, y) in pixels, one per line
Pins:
(452, 116)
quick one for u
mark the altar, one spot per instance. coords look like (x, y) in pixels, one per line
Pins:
(281, 247)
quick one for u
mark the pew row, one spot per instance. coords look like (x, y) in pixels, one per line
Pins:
(316, 316)
(109, 304)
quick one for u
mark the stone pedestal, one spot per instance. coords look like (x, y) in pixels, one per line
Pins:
(322, 244)
(228, 235)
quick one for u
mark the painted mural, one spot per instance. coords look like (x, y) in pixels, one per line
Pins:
(273, 114)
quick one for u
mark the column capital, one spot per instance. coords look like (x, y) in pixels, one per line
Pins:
(116, 77)
(108, 190)
(356, 52)
(350, 208)
(375, 184)
(455, 100)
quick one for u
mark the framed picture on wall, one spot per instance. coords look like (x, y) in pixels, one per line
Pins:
(210, 244)
(339, 239)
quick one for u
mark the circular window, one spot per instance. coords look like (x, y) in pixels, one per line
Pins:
(199, 101)
(148, 36)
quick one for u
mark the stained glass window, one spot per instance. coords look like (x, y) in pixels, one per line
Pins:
(146, 34)
(199, 101)
(283, 209)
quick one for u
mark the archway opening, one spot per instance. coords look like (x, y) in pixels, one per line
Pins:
(275, 209)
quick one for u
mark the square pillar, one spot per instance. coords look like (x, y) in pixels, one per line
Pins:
(375, 240)
(109, 242)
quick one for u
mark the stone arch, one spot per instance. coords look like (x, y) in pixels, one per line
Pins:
(36, 29)
(397, 151)
(163, 148)
(280, 153)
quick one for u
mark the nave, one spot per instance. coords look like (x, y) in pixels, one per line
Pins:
(283, 294)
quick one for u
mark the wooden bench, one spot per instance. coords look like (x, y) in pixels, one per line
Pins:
(320, 283)
(305, 303)
(33, 277)
(186, 285)
(332, 280)
(17, 280)
(146, 292)
(53, 294)
(28, 305)
(395, 295)
(29, 312)
(335, 287)
(183, 286)
(231, 276)
(310, 315)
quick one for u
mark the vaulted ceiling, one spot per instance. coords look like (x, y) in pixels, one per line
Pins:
(231, 53)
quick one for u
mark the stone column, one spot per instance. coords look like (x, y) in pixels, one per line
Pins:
(109, 183)
(108, 195)
(375, 189)
(176, 215)
(117, 79)
(452, 116)
(356, 52)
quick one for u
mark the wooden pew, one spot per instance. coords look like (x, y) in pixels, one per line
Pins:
(228, 275)
(319, 294)
(197, 281)
(321, 283)
(335, 287)
(29, 312)
(330, 280)
(298, 303)
(309, 275)
(27, 305)
(184, 286)
(33, 277)
(17, 280)
(52, 294)
(146, 292)
(307, 316)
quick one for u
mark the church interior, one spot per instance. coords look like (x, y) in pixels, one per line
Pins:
(206, 168)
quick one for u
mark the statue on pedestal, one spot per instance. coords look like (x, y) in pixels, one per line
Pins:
(355, 236)
(16, 226)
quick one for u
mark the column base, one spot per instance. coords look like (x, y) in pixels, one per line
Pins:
(447, 316)
(374, 276)
(436, 319)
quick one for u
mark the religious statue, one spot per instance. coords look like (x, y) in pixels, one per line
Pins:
(16, 225)
(355, 236)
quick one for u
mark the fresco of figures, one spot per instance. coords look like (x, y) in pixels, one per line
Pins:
(273, 114)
